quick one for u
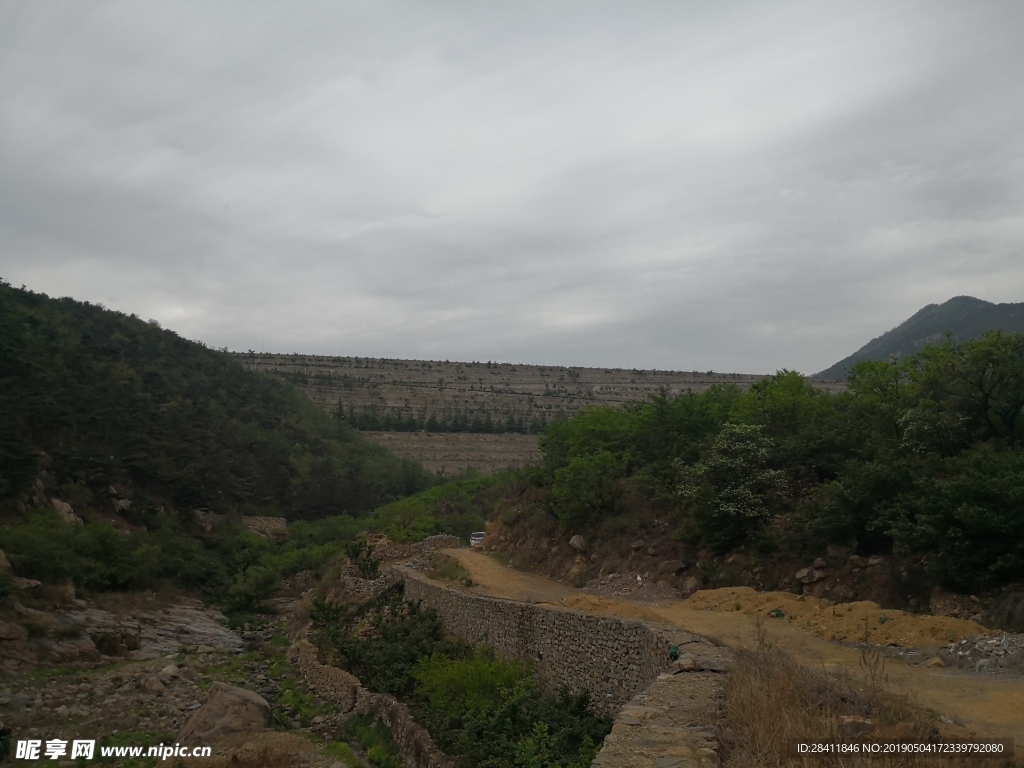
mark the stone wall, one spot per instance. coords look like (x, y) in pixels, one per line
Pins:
(612, 658)
(345, 692)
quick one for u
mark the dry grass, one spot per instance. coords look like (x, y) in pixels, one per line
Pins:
(446, 568)
(772, 700)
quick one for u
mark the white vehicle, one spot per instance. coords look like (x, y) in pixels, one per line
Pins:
(477, 538)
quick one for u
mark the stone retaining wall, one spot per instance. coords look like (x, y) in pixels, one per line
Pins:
(345, 692)
(612, 658)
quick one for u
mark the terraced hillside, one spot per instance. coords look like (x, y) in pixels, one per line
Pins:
(448, 453)
(386, 396)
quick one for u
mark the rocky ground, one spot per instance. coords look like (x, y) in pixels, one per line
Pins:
(142, 698)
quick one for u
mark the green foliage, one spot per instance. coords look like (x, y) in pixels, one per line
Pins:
(731, 488)
(359, 554)
(457, 507)
(971, 519)
(920, 454)
(585, 490)
(112, 399)
(375, 740)
(486, 711)
(253, 585)
(395, 636)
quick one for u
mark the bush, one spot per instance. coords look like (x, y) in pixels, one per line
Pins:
(253, 585)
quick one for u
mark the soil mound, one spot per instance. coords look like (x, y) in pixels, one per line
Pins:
(604, 607)
(842, 622)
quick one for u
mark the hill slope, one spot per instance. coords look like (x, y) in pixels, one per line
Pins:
(91, 398)
(963, 316)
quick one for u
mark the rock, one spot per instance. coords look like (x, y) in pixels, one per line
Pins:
(577, 542)
(821, 562)
(856, 561)
(171, 670)
(5, 566)
(853, 726)
(686, 663)
(19, 701)
(154, 685)
(809, 575)
(11, 631)
(228, 713)
(692, 584)
(123, 505)
(935, 662)
(205, 649)
(66, 512)
(62, 710)
(876, 560)
(638, 544)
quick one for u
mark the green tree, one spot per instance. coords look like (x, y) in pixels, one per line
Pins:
(731, 490)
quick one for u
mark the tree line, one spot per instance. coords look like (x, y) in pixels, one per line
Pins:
(921, 455)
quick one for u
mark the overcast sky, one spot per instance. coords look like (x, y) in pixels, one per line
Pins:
(679, 185)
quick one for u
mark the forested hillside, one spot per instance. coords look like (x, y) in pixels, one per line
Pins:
(97, 398)
(922, 455)
(964, 317)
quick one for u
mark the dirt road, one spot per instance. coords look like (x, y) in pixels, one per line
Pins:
(989, 706)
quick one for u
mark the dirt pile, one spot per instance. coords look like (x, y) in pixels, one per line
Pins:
(604, 607)
(843, 622)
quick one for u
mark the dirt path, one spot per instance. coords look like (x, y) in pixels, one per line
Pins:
(989, 706)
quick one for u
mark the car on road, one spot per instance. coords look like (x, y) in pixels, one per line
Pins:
(477, 538)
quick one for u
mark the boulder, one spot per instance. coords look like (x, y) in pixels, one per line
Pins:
(154, 685)
(821, 562)
(686, 663)
(809, 575)
(578, 543)
(638, 544)
(11, 631)
(66, 512)
(229, 713)
(692, 584)
(123, 505)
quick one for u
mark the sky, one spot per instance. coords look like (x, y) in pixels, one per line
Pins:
(728, 186)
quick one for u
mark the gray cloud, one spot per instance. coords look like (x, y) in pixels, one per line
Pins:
(737, 187)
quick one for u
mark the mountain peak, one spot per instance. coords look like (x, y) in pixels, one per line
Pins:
(966, 317)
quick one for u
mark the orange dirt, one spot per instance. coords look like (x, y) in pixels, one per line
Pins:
(991, 707)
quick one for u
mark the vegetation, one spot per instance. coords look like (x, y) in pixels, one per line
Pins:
(489, 713)
(772, 701)
(921, 455)
(99, 398)
(135, 427)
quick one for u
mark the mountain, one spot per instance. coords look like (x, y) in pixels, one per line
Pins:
(963, 316)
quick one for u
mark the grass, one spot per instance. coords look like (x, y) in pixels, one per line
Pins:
(772, 700)
(375, 739)
(447, 568)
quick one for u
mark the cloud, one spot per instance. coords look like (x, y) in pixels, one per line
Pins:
(735, 187)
